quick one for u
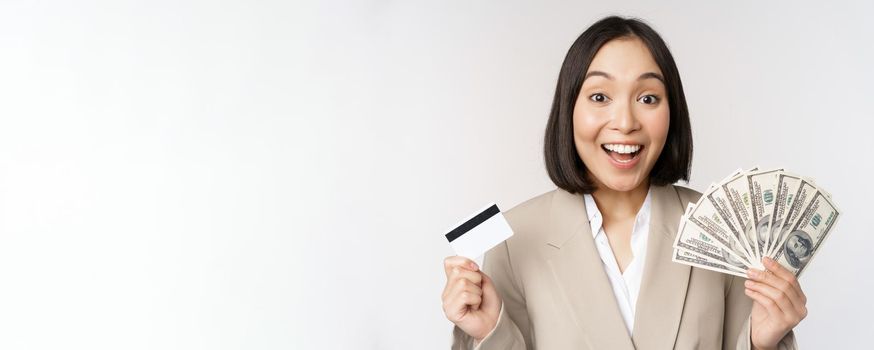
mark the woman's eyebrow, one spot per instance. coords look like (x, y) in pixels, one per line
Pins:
(647, 75)
(652, 75)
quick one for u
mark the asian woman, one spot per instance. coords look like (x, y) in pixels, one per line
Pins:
(589, 265)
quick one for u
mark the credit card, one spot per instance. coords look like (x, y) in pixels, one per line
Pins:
(475, 235)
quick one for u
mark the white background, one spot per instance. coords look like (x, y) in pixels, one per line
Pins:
(278, 175)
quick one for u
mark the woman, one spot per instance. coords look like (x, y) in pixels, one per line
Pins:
(589, 264)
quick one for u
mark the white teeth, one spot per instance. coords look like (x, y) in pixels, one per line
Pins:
(624, 149)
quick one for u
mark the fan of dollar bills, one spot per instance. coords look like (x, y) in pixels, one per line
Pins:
(753, 214)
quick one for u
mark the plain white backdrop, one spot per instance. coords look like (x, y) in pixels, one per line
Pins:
(278, 175)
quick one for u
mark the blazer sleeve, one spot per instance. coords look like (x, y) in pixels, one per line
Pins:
(737, 320)
(512, 332)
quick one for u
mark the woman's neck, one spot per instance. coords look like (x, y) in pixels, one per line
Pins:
(620, 204)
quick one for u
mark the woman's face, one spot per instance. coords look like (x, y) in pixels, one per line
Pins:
(621, 116)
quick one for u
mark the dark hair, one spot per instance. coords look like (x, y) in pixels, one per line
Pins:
(563, 163)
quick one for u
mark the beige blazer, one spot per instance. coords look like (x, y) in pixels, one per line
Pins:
(557, 296)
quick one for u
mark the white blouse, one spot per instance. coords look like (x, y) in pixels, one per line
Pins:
(626, 286)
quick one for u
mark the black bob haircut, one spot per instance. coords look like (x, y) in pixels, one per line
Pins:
(563, 163)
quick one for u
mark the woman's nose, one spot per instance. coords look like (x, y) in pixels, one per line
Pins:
(624, 119)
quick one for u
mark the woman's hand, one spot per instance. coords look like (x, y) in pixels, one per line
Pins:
(469, 298)
(778, 304)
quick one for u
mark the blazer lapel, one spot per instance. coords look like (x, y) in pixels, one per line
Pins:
(577, 269)
(663, 288)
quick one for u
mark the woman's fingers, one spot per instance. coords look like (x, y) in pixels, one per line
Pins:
(463, 293)
(783, 281)
(457, 274)
(788, 311)
(458, 261)
(474, 276)
(772, 280)
(469, 297)
(465, 286)
(784, 274)
(472, 300)
(765, 302)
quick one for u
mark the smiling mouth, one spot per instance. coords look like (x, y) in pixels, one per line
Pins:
(622, 153)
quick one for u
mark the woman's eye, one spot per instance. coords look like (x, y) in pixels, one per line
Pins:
(598, 97)
(649, 99)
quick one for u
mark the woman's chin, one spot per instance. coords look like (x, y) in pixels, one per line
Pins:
(620, 185)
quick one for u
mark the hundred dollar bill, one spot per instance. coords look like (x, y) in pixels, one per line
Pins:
(707, 217)
(807, 234)
(719, 199)
(692, 239)
(762, 186)
(690, 258)
(737, 191)
(787, 185)
(803, 195)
